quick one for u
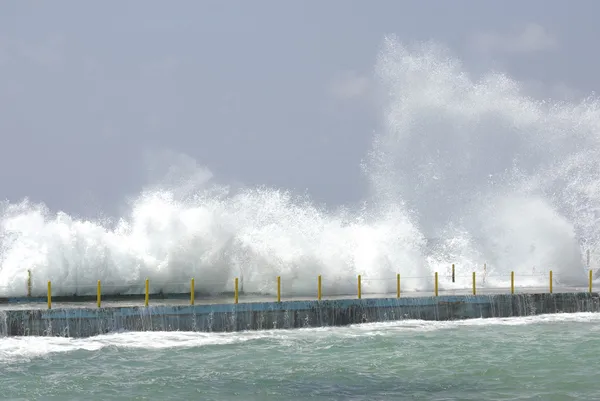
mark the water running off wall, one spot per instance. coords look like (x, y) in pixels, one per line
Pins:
(496, 176)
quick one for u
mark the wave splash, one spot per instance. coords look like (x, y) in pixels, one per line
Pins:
(24, 349)
(493, 175)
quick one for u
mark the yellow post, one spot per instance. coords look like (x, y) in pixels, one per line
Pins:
(235, 291)
(398, 285)
(98, 294)
(359, 288)
(147, 297)
(278, 288)
(590, 280)
(28, 283)
(192, 292)
(49, 295)
(474, 285)
(319, 293)
(512, 282)
(435, 285)
(550, 281)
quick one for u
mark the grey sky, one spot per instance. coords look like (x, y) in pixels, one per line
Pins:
(260, 92)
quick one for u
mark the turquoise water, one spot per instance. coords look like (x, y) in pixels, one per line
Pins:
(551, 357)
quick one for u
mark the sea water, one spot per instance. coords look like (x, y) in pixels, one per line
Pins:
(473, 164)
(548, 357)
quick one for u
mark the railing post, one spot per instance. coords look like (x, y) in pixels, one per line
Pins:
(147, 295)
(235, 291)
(435, 284)
(192, 292)
(99, 294)
(49, 295)
(474, 285)
(278, 288)
(359, 287)
(550, 281)
(319, 291)
(398, 285)
(452, 272)
(28, 283)
(512, 282)
(590, 281)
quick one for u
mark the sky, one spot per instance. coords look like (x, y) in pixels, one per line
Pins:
(97, 99)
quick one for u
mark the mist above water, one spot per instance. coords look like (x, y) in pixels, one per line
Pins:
(463, 170)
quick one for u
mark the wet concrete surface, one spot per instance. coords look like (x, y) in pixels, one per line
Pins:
(183, 299)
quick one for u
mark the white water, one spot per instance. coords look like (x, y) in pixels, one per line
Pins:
(500, 178)
(19, 349)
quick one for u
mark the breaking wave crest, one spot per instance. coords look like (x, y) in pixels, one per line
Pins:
(463, 170)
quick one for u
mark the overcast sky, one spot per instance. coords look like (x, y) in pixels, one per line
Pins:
(260, 92)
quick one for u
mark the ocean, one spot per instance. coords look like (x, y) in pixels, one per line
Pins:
(463, 169)
(547, 357)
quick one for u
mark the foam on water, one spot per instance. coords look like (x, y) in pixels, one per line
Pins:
(24, 348)
(496, 176)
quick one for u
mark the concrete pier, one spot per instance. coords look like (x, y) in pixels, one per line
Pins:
(78, 319)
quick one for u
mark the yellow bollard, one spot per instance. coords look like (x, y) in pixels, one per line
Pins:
(278, 288)
(550, 281)
(359, 288)
(49, 295)
(474, 285)
(590, 284)
(98, 294)
(398, 285)
(512, 282)
(235, 291)
(192, 292)
(435, 285)
(28, 283)
(319, 293)
(147, 296)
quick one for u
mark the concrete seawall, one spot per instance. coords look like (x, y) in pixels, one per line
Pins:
(90, 321)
